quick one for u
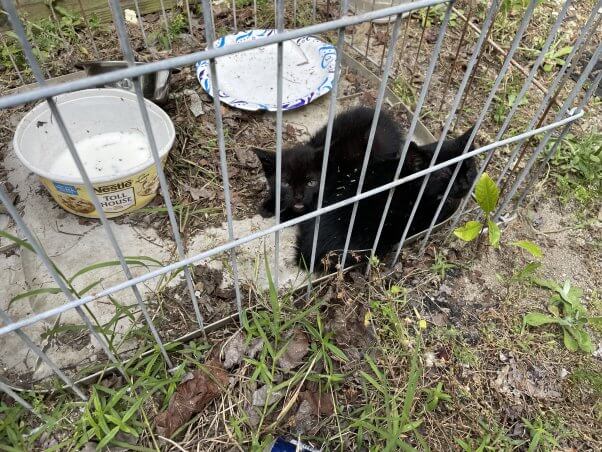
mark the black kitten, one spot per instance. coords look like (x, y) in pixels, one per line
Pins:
(301, 167)
(302, 164)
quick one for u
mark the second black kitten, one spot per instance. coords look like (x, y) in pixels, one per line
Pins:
(301, 169)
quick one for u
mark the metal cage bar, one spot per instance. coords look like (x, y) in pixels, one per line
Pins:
(459, 95)
(379, 104)
(561, 123)
(514, 46)
(128, 54)
(563, 110)
(17, 398)
(332, 107)
(219, 128)
(279, 84)
(581, 39)
(248, 238)
(211, 53)
(18, 28)
(415, 117)
(43, 256)
(44, 357)
(552, 152)
(526, 85)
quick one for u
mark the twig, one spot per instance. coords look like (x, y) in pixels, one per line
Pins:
(173, 443)
(496, 47)
(293, 399)
(349, 96)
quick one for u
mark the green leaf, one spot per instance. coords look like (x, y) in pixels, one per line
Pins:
(486, 193)
(34, 292)
(584, 341)
(538, 319)
(554, 310)
(530, 247)
(336, 351)
(107, 439)
(494, 233)
(411, 426)
(564, 51)
(527, 271)
(17, 240)
(469, 231)
(569, 341)
(373, 382)
(595, 322)
(134, 260)
(548, 284)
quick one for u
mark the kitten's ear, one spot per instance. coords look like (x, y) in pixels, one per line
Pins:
(267, 159)
(416, 157)
(454, 148)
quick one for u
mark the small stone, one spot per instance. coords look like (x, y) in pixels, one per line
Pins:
(429, 359)
(130, 16)
(196, 105)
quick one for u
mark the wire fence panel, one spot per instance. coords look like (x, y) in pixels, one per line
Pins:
(432, 56)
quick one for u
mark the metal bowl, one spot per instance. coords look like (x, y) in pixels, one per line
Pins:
(155, 86)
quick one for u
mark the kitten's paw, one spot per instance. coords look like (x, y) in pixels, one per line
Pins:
(267, 209)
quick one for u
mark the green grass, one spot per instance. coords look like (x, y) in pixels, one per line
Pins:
(577, 167)
(48, 38)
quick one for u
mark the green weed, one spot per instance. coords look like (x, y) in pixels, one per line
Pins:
(568, 313)
(436, 395)
(577, 167)
(441, 265)
(504, 103)
(492, 438)
(487, 196)
(48, 38)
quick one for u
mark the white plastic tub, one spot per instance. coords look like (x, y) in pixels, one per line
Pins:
(106, 127)
(364, 6)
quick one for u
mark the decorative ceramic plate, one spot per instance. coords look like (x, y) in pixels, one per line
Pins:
(247, 80)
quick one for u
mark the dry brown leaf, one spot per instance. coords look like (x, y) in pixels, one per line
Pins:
(321, 403)
(513, 382)
(197, 389)
(254, 347)
(200, 193)
(234, 350)
(263, 395)
(312, 406)
(439, 319)
(296, 349)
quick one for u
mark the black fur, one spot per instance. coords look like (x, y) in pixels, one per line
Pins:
(301, 167)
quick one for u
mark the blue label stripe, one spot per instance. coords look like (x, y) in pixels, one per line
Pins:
(64, 188)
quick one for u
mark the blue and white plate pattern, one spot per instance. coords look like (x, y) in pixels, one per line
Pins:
(247, 80)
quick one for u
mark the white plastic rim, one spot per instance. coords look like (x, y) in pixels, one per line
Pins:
(247, 80)
(364, 6)
(38, 140)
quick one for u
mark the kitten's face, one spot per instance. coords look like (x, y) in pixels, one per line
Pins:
(299, 182)
(439, 180)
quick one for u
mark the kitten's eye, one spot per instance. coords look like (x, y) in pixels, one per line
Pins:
(285, 183)
(312, 183)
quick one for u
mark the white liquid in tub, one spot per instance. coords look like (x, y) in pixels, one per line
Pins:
(104, 155)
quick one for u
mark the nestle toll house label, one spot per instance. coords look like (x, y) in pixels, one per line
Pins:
(116, 197)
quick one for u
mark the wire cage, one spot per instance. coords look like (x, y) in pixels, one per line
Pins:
(400, 55)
